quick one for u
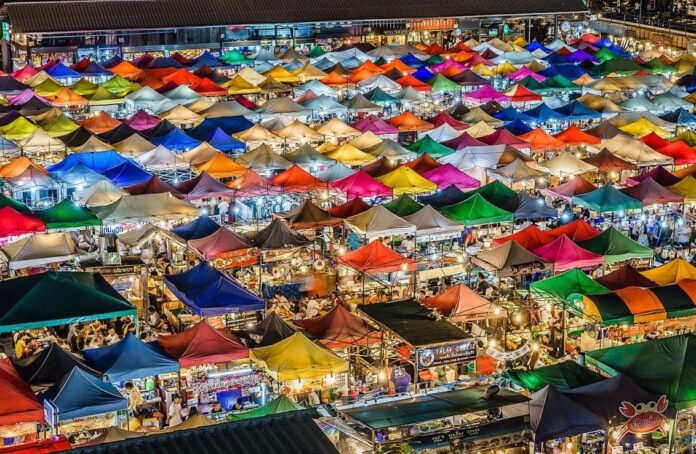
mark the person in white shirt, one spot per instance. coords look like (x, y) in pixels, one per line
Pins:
(174, 412)
(313, 307)
(223, 209)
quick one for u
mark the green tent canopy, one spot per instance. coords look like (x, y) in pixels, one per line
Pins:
(657, 66)
(620, 66)
(664, 366)
(120, 86)
(441, 84)
(429, 145)
(435, 60)
(496, 193)
(606, 199)
(688, 137)
(280, 404)
(403, 206)
(569, 286)
(532, 84)
(558, 83)
(84, 87)
(58, 298)
(615, 246)
(67, 215)
(562, 376)
(316, 51)
(235, 57)
(476, 211)
(604, 54)
(379, 96)
(14, 204)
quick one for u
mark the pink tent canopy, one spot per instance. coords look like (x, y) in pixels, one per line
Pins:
(486, 94)
(564, 255)
(577, 186)
(24, 73)
(221, 241)
(25, 96)
(463, 141)
(376, 125)
(444, 118)
(504, 137)
(479, 60)
(524, 72)
(446, 65)
(142, 120)
(447, 175)
(361, 184)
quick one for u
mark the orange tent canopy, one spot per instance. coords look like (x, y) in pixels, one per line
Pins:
(369, 66)
(574, 136)
(334, 78)
(462, 56)
(541, 140)
(520, 93)
(18, 166)
(251, 183)
(398, 65)
(127, 70)
(529, 238)
(67, 97)
(376, 258)
(407, 121)
(462, 304)
(361, 75)
(577, 230)
(181, 77)
(451, 71)
(100, 122)
(152, 82)
(221, 166)
(410, 81)
(423, 164)
(296, 179)
(160, 73)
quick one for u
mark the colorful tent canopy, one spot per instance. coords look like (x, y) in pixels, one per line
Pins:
(672, 378)
(563, 376)
(404, 180)
(207, 291)
(296, 357)
(80, 395)
(461, 304)
(340, 328)
(202, 344)
(606, 161)
(564, 254)
(529, 238)
(352, 207)
(296, 179)
(67, 215)
(671, 272)
(615, 246)
(378, 221)
(625, 276)
(376, 258)
(75, 297)
(403, 206)
(307, 216)
(198, 228)
(448, 174)
(662, 176)
(429, 222)
(277, 236)
(575, 186)
(130, 358)
(507, 258)
(607, 198)
(360, 184)
(218, 244)
(14, 223)
(569, 286)
(650, 192)
(279, 405)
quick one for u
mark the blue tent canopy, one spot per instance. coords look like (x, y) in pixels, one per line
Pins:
(200, 227)
(518, 127)
(207, 59)
(448, 196)
(423, 74)
(130, 358)
(411, 60)
(556, 59)
(577, 111)
(543, 113)
(207, 291)
(99, 161)
(80, 394)
(126, 174)
(553, 415)
(511, 114)
(534, 45)
(569, 71)
(680, 116)
(529, 207)
(223, 142)
(60, 71)
(113, 61)
(176, 140)
(78, 176)
(94, 69)
(230, 125)
(165, 62)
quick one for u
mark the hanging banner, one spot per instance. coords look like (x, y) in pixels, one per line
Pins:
(508, 356)
(643, 418)
(446, 354)
(236, 259)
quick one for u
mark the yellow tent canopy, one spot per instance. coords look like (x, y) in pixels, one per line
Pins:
(282, 75)
(405, 180)
(297, 357)
(642, 127)
(671, 272)
(505, 68)
(480, 129)
(686, 187)
(48, 88)
(350, 155)
(240, 86)
(21, 128)
(483, 70)
(193, 422)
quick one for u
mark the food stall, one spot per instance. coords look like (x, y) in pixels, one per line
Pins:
(472, 419)
(214, 367)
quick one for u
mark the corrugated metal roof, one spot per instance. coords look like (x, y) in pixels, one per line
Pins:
(86, 15)
(291, 433)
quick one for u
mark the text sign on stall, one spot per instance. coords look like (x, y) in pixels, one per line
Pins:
(446, 354)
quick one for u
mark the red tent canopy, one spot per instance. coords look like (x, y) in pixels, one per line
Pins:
(203, 344)
(296, 179)
(376, 258)
(654, 141)
(13, 223)
(662, 176)
(207, 87)
(520, 93)
(444, 118)
(529, 238)
(461, 304)
(339, 328)
(155, 185)
(218, 243)
(52, 444)
(19, 404)
(576, 186)
(564, 254)
(680, 152)
(410, 81)
(350, 208)
(574, 136)
(423, 164)
(577, 230)
(650, 192)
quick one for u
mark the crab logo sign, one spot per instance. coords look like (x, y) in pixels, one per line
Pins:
(644, 418)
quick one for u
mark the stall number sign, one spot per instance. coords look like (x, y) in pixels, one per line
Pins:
(446, 354)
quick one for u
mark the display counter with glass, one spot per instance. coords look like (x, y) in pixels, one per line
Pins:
(129, 278)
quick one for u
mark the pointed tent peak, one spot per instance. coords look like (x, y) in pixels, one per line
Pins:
(564, 254)
(529, 238)
(375, 258)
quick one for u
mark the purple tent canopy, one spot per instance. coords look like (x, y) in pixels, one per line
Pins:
(376, 125)
(486, 94)
(463, 141)
(202, 187)
(25, 96)
(580, 56)
(360, 184)
(445, 65)
(447, 175)
(142, 120)
(523, 73)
